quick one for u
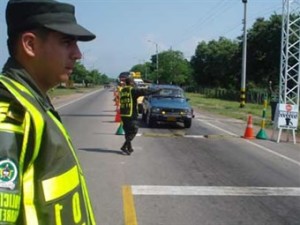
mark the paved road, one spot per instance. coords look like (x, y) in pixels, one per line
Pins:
(206, 175)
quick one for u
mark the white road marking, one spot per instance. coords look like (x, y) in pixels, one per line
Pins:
(215, 191)
(77, 99)
(194, 136)
(219, 128)
(257, 145)
(273, 152)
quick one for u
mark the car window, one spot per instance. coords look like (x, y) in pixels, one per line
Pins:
(170, 93)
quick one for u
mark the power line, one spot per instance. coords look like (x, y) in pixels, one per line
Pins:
(220, 6)
(238, 25)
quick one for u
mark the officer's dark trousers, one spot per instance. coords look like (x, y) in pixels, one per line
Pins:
(130, 127)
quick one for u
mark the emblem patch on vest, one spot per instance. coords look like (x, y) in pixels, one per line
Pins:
(8, 174)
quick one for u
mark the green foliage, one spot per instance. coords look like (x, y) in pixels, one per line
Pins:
(213, 63)
(79, 73)
(218, 63)
(173, 68)
(264, 44)
(83, 76)
(144, 69)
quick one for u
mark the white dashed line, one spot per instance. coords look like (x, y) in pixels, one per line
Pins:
(77, 99)
(215, 191)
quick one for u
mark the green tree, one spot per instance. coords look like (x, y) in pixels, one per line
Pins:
(83, 76)
(263, 54)
(144, 69)
(213, 63)
(173, 68)
(80, 73)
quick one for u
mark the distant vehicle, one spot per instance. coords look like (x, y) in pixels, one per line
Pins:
(107, 85)
(168, 105)
(136, 76)
(139, 82)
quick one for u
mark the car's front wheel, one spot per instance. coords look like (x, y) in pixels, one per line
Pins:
(187, 123)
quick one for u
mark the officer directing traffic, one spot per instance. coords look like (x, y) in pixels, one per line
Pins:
(41, 181)
(129, 113)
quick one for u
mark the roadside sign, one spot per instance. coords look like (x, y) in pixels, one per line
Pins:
(287, 116)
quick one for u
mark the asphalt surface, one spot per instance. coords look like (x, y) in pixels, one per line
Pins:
(205, 175)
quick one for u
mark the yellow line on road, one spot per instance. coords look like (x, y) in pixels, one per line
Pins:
(128, 206)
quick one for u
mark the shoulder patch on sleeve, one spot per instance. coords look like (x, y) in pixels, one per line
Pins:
(8, 174)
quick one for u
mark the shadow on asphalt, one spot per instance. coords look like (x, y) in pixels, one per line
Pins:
(85, 115)
(101, 150)
(162, 125)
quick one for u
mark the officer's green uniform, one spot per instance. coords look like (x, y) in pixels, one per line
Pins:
(41, 182)
(129, 113)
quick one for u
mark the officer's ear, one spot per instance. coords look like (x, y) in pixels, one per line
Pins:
(28, 43)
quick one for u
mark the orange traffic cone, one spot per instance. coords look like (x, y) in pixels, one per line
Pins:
(118, 116)
(249, 134)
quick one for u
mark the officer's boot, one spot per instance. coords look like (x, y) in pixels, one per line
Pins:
(124, 148)
(130, 149)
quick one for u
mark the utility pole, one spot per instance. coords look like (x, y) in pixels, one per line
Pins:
(156, 46)
(244, 60)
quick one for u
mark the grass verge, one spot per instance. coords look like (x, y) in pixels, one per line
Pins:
(56, 92)
(231, 108)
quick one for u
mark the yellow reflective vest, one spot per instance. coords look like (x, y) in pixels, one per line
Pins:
(41, 181)
(126, 102)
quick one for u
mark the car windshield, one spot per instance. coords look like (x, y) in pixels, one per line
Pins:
(170, 93)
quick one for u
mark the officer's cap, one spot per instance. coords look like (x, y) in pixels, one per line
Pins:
(22, 15)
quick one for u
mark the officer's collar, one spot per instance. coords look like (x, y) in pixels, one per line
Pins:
(15, 70)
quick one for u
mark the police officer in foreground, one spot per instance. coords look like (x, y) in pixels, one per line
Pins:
(41, 181)
(129, 113)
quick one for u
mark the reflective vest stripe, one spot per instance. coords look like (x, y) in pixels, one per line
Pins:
(4, 104)
(28, 185)
(10, 127)
(28, 194)
(124, 109)
(82, 180)
(21, 94)
(3, 107)
(3, 110)
(27, 125)
(39, 124)
(60, 185)
(7, 126)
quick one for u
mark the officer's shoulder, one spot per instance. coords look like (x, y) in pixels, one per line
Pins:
(10, 109)
(5, 95)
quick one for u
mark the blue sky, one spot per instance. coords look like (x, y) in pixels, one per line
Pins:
(124, 27)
